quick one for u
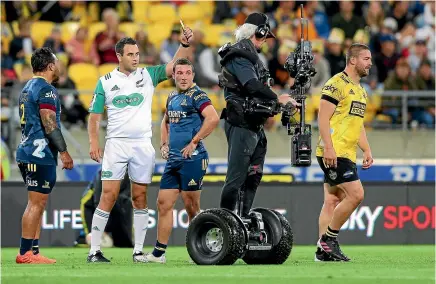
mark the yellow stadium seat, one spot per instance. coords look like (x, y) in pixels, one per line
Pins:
(316, 99)
(215, 100)
(212, 34)
(40, 31)
(18, 67)
(158, 33)
(85, 76)
(7, 36)
(208, 8)
(129, 29)
(191, 12)
(94, 29)
(162, 13)
(15, 28)
(140, 9)
(68, 30)
(93, 12)
(106, 68)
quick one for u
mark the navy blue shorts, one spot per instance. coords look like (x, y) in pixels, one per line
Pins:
(185, 175)
(39, 178)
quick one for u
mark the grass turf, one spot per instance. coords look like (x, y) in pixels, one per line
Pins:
(371, 264)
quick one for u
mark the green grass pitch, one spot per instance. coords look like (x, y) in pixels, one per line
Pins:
(371, 264)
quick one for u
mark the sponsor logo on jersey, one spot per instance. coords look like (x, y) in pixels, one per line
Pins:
(175, 115)
(183, 103)
(330, 88)
(130, 100)
(357, 109)
(351, 92)
(106, 174)
(115, 88)
(50, 95)
(200, 96)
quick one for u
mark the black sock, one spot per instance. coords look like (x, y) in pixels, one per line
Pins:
(25, 246)
(35, 246)
(159, 249)
(332, 233)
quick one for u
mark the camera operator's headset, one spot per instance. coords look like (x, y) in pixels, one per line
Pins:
(262, 30)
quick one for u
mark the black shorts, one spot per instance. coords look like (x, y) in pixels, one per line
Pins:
(39, 178)
(345, 171)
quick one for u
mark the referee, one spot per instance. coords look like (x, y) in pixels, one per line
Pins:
(341, 113)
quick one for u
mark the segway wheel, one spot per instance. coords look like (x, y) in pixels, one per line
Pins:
(282, 248)
(215, 237)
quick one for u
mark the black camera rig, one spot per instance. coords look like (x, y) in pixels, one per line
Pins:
(299, 65)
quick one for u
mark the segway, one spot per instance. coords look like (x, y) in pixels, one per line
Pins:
(221, 237)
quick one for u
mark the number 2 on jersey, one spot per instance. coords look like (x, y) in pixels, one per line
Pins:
(40, 143)
(22, 120)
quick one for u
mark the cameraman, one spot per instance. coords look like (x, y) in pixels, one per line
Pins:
(246, 81)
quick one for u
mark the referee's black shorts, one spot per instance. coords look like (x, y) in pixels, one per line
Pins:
(345, 171)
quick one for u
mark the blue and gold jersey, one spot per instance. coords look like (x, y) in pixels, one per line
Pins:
(185, 119)
(34, 147)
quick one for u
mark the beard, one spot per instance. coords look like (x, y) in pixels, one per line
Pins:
(56, 77)
(362, 71)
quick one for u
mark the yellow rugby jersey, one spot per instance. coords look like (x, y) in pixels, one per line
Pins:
(347, 121)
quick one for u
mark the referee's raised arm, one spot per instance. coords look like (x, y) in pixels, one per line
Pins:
(183, 51)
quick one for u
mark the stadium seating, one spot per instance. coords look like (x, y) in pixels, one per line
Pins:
(130, 29)
(106, 68)
(158, 32)
(69, 30)
(191, 13)
(94, 29)
(162, 13)
(40, 31)
(86, 77)
(140, 11)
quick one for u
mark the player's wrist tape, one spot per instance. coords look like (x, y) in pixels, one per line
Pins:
(57, 140)
(184, 45)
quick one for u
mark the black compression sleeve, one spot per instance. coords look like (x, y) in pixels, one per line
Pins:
(57, 140)
(259, 90)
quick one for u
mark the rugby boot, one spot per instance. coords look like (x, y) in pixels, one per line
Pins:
(44, 259)
(331, 247)
(97, 257)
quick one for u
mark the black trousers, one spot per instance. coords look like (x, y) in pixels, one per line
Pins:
(246, 157)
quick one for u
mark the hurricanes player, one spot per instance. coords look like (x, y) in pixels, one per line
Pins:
(127, 93)
(341, 113)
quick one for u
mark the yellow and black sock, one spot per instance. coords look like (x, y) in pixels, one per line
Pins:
(331, 233)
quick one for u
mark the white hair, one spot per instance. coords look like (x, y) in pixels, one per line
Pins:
(246, 31)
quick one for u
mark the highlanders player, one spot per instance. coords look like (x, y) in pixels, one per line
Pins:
(190, 117)
(41, 140)
(127, 93)
(341, 128)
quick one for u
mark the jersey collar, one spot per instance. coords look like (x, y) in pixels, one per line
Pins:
(39, 77)
(117, 70)
(187, 90)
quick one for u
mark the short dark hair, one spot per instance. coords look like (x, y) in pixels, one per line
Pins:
(41, 58)
(183, 61)
(119, 47)
(354, 50)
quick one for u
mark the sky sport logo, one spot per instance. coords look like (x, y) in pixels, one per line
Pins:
(395, 217)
